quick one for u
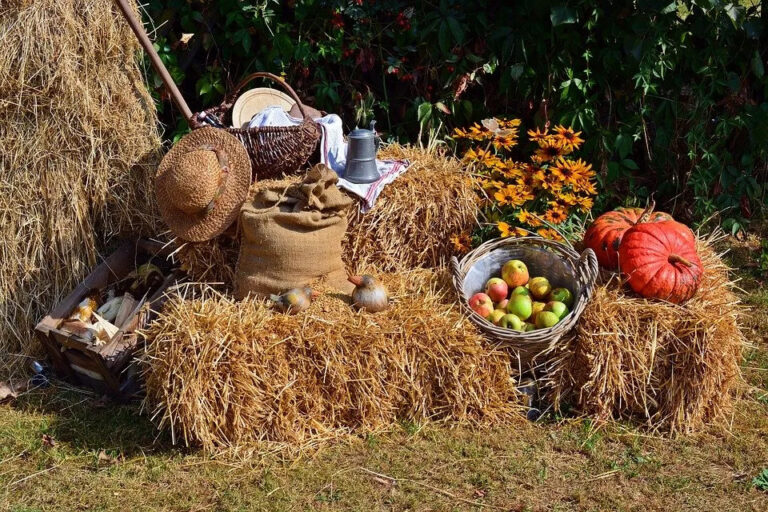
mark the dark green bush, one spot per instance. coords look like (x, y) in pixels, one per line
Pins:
(671, 95)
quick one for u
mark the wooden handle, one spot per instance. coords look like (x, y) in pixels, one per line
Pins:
(154, 58)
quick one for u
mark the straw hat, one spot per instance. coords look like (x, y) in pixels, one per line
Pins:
(255, 100)
(202, 182)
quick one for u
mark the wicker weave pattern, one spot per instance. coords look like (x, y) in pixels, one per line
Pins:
(274, 150)
(560, 264)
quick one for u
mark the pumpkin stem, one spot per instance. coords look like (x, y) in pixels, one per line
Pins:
(647, 212)
(674, 258)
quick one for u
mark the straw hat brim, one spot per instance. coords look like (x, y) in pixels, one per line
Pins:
(205, 225)
(253, 101)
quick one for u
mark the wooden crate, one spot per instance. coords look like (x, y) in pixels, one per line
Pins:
(106, 368)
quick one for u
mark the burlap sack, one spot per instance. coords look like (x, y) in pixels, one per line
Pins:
(291, 236)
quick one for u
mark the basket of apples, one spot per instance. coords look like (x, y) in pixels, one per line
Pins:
(525, 293)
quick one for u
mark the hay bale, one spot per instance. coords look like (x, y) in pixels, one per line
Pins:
(221, 373)
(673, 367)
(78, 143)
(416, 215)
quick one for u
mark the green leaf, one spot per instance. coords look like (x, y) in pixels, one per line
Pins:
(629, 164)
(623, 145)
(424, 112)
(562, 15)
(757, 65)
(443, 37)
(456, 30)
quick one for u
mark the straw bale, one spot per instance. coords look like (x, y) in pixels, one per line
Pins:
(414, 218)
(78, 142)
(410, 226)
(673, 367)
(225, 374)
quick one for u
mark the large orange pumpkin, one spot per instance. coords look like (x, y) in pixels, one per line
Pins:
(660, 260)
(605, 233)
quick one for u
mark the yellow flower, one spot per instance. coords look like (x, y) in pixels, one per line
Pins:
(549, 233)
(505, 141)
(567, 198)
(509, 195)
(569, 139)
(504, 229)
(529, 218)
(585, 203)
(549, 150)
(537, 136)
(461, 242)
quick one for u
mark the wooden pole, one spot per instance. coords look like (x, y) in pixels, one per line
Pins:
(138, 29)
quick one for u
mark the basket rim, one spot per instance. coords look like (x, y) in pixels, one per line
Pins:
(584, 268)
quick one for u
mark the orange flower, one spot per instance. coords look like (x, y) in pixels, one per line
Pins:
(585, 203)
(556, 215)
(549, 150)
(461, 242)
(567, 198)
(529, 218)
(569, 139)
(549, 233)
(537, 136)
(508, 195)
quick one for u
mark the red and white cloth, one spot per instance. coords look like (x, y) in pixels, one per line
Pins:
(334, 153)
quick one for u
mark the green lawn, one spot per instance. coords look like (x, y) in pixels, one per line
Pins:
(110, 458)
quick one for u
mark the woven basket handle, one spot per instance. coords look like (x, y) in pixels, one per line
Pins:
(588, 269)
(231, 97)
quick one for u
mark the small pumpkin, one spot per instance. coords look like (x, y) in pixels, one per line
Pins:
(660, 260)
(605, 234)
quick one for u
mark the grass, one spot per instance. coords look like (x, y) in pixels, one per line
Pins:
(111, 458)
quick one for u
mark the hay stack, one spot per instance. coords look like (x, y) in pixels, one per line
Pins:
(415, 216)
(410, 227)
(221, 373)
(78, 139)
(676, 368)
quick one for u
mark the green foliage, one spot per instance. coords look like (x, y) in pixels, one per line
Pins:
(670, 94)
(761, 480)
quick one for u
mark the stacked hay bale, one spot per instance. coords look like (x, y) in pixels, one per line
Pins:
(78, 145)
(417, 217)
(414, 224)
(228, 374)
(673, 367)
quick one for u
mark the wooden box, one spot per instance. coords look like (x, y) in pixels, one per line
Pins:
(106, 368)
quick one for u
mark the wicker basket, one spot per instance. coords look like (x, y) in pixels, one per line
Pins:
(274, 150)
(560, 264)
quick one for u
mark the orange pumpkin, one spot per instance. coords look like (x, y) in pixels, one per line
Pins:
(605, 234)
(660, 260)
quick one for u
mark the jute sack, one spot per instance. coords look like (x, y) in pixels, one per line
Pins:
(291, 236)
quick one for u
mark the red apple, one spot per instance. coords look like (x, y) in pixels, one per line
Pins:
(481, 304)
(496, 289)
(514, 273)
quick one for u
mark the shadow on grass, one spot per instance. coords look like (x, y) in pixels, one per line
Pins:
(85, 423)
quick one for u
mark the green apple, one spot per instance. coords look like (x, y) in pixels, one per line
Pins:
(521, 290)
(546, 319)
(557, 308)
(563, 295)
(540, 287)
(511, 321)
(521, 306)
(496, 316)
(514, 273)
(502, 304)
(528, 326)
